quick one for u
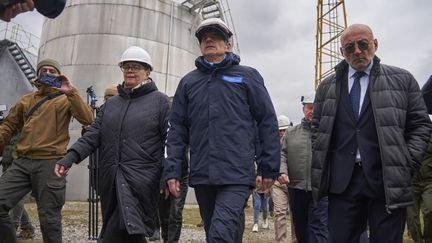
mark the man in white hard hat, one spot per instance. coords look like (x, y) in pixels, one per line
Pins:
(279, 194)
(218, 109)
(310, 221)
(130, 132)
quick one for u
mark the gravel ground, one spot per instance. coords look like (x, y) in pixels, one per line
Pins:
(75, 227)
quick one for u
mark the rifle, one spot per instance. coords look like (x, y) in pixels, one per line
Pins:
(93, 198)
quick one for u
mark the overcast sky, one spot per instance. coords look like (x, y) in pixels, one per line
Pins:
(277, 37)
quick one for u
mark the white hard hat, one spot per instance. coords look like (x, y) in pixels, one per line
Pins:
(283, 122)
(136, 54)
(213, 24)
(308, 99)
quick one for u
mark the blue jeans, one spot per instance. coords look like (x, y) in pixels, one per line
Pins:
(260, 201)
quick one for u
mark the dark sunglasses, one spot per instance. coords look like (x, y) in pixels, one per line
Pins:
(363, 45)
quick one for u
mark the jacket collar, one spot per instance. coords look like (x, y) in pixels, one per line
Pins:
(137, 92)
(306, 124)
(204, 66)
(342, 67)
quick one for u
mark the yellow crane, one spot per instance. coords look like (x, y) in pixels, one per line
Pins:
(331, 21)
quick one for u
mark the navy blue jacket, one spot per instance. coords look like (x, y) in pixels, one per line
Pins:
(216, 110)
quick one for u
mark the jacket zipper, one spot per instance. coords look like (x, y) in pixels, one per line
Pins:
(379, 138)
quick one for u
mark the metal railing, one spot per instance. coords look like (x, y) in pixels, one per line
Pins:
(213, 9)
(15, 32)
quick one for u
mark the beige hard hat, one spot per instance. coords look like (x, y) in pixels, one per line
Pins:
(111, 90)
(136, 54)
(213, 24)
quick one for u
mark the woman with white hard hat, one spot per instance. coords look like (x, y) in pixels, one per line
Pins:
(129, 131)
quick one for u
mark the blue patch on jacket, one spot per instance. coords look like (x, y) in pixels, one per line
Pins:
(232, 79)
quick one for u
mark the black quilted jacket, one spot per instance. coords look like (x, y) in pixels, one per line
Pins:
(402, 123)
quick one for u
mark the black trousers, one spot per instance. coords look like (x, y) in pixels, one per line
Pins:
(171, 214)
(357, 206)
(310, 221)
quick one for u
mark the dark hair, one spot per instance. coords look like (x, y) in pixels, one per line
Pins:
(146, 66)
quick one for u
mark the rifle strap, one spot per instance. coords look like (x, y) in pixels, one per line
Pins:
(35, 107)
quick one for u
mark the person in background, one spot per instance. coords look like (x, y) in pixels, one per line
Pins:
(310, 221)
(110, 91)
(42, 119)
(130, 132)
(171, 208)
(260, 200)
(217, 111)
(422, 187)
(48, 8)
(18, 214)
(370, 130)
(280, 197)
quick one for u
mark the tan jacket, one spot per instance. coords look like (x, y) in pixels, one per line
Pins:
(45, 135)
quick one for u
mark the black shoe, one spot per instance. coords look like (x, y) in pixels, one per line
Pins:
(200, 224)
(26, 233)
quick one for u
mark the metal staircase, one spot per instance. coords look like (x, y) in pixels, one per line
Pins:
(21, 45)
(21, 60)
(207, 8)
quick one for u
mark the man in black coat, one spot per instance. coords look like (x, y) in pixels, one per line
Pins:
(370, 131)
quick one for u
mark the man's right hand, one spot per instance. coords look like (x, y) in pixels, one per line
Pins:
(60, 170)
(13, 10)
(174, 187)
(283, 179)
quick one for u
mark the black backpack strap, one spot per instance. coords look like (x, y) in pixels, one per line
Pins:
(35, 107)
